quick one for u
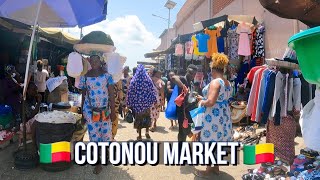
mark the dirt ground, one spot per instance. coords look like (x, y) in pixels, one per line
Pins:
(125, 133)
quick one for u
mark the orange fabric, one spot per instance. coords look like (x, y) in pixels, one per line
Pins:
(253, 117)
(212, 43)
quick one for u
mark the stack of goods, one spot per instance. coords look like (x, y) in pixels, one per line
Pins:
(278, 170)
(306, 165)
(115, 64)
(5, 137)
(6, 116)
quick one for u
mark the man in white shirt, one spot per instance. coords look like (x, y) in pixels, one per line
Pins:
(40, 77)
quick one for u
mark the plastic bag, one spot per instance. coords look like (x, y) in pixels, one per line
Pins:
(75, 65)
(171, 110)
(197, 116)
(310, 124)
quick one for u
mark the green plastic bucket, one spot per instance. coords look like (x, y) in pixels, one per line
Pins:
(307, 47)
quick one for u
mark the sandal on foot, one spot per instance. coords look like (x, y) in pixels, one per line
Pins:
(152, 129)
(148, 136)
(139, 138)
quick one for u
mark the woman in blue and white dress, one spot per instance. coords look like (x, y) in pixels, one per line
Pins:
(217, 125)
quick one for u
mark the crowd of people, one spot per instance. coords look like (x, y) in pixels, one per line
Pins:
(105, 101)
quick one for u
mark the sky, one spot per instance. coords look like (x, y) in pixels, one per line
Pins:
(132, 27)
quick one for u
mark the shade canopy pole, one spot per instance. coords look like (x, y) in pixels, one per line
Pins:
(30, 49)
(27, 76)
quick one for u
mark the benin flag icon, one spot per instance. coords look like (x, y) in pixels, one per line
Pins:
(55, 152)
(261, 153)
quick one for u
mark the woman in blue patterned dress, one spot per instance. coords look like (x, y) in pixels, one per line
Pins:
(217, 125)
(97, 92)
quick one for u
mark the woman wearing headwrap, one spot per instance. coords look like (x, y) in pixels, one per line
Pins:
(97, 92)
(141, 96)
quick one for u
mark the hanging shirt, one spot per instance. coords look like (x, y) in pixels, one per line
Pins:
(261, 94)
(212, 43)
(195, 47)
(267, 101)
(255, 101)
(252, 72)
(203, 42)
(188, 50)
(252, 96)
(179, 50)
(221, 44)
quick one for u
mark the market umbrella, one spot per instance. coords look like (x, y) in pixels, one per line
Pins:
(49, 13)
(307, 11)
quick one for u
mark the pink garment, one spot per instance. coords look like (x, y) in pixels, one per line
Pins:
(244, 43)
(179, 50)
(77, 82)
(188, 46)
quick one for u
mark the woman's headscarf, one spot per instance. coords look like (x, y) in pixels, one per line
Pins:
(141, 94)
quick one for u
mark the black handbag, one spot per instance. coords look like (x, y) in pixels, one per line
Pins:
(129, 117)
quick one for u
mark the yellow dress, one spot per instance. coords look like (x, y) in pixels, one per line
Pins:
(212, 43)
(195, 46)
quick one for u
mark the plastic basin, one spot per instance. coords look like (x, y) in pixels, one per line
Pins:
(307, 46)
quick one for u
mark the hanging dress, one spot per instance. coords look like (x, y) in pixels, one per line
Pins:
(233, 42)
(244, 42)
(217, 125)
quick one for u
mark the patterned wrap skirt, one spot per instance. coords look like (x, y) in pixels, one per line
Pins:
(282, 137)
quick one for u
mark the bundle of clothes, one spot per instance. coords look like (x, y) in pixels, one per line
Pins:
(306, 166)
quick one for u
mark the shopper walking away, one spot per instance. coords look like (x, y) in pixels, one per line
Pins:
(159, 88)
(40, 77)
(141, 97)
(125, 84)
(217, 123)
(97, 89)
(170, 87)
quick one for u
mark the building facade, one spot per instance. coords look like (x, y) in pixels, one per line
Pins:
(278, 30)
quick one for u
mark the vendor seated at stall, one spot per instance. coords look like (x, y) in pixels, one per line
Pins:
(31, 108)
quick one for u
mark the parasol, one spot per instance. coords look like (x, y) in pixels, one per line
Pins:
(307, 11)
(48, 13)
